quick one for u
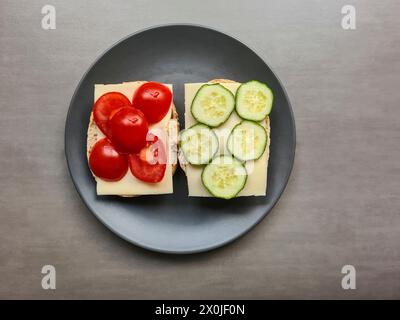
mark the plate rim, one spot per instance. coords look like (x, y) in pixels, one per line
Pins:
(194, 250)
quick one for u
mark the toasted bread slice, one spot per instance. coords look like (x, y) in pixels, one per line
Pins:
(94, 134)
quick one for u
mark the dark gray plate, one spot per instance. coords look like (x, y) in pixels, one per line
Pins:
(175, 223)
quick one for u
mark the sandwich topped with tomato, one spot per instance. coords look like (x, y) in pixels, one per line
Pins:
(132, 138)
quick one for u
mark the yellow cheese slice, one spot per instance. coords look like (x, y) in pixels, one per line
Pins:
(256, 184)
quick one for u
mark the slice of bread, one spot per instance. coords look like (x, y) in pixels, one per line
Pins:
(94, 134)
(182, 161)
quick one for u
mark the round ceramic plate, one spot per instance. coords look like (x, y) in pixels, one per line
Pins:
(175, 223)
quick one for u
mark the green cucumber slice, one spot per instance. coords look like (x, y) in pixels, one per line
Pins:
(247, 141)
(199, 144)
(212, 105)
(224, 177)
(254, 100)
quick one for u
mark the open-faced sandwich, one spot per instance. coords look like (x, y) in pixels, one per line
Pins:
(132, 137)
(224, 148)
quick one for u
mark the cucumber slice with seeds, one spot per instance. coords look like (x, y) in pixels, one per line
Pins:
(254, 100)
(247, 141)
(212, 105)
(199, 144)
(224, 177)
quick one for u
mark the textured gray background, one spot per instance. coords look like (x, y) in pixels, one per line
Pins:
(342, 204)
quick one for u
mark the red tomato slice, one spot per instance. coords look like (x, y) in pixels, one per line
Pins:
(128, 130)
(150, 164)
(153, 99)
(106, 163)
(106, 106)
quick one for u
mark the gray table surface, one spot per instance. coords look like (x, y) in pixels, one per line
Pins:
(342, 203)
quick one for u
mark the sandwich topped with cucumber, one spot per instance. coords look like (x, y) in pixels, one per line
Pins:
(224, 149)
